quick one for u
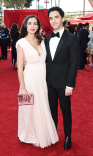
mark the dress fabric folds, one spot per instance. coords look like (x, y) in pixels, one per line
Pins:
(35, 123)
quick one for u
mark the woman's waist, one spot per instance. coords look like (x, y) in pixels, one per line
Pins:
(35, 63)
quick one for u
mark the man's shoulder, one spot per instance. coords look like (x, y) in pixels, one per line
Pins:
(6, 28)
(47, 36)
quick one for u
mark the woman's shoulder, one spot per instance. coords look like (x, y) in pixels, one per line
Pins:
(20, 42)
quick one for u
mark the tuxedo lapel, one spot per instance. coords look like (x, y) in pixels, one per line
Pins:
(61, 42)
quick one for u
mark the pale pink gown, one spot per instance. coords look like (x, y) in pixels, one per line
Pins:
(35, 124)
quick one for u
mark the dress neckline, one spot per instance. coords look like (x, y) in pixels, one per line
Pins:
(35, 49)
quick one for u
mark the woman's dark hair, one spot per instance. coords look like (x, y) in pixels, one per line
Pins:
(24, 32)
(61, 12)
(13, 29)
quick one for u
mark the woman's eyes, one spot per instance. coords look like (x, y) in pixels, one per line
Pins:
(31, 23)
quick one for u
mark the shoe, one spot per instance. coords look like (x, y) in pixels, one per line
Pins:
(91, 65)
(67, 143)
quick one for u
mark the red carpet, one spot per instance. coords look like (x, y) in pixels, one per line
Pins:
(82, 117)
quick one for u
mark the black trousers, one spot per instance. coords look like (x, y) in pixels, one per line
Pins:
(82, 58)
(4, 48)
(59, 93)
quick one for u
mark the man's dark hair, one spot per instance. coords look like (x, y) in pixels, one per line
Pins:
(61, 12)
(64, 23)
(83, 25)
(68, 23)
(79, 26)
(86, 24)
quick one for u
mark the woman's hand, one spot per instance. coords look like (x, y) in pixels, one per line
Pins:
(25, 62)
(26, 94)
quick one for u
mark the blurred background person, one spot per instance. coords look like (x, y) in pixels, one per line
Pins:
(90, 48)
(42, 33)
(71, 29)
(82, 36)
(9, 41)
(86, 27)
(14, 33)
(64, 24)
(0, 43)
(4, 40)
(75, 32)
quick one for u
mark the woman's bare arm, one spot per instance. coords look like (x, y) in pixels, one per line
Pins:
(20, 63)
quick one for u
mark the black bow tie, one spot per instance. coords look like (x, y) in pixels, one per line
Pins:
(55, 35)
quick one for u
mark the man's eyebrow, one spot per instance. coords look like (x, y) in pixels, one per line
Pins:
(55, 16)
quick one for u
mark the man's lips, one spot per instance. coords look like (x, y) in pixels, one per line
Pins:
(32, 29)
(54, 23)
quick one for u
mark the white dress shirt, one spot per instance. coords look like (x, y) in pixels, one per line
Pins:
(53, 43)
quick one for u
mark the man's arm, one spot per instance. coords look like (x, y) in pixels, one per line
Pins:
(74, 61)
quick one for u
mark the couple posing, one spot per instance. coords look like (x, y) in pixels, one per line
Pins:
(37, 123)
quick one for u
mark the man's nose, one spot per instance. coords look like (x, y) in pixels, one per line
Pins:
(53, 19)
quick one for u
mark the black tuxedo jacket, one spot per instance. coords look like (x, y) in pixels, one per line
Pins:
(5, 36)
(61, 72)
(82, 35)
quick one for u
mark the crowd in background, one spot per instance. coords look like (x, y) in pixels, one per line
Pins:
(85, 41)
(9, 37)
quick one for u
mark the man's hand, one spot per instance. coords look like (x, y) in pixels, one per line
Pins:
(68, 91)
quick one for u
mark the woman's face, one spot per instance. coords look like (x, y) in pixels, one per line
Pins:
(32, 25)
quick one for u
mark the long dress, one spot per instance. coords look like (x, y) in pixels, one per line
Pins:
(35, 123)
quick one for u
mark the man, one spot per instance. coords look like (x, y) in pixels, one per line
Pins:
(86, 27)
(82, 36)
(62, 63)
(71, 30)
(4, 40)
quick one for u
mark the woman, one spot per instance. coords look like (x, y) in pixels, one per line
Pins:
(14, 36)
(35, 124)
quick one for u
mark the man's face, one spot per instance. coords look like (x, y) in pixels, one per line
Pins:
(2, 26)
(56, 20)
(87, 27)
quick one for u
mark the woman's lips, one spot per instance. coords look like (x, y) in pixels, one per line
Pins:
(32, 29)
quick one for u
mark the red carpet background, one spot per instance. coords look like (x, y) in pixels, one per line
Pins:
(82, 117)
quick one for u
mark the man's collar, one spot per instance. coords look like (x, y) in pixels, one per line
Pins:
(60, 32)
